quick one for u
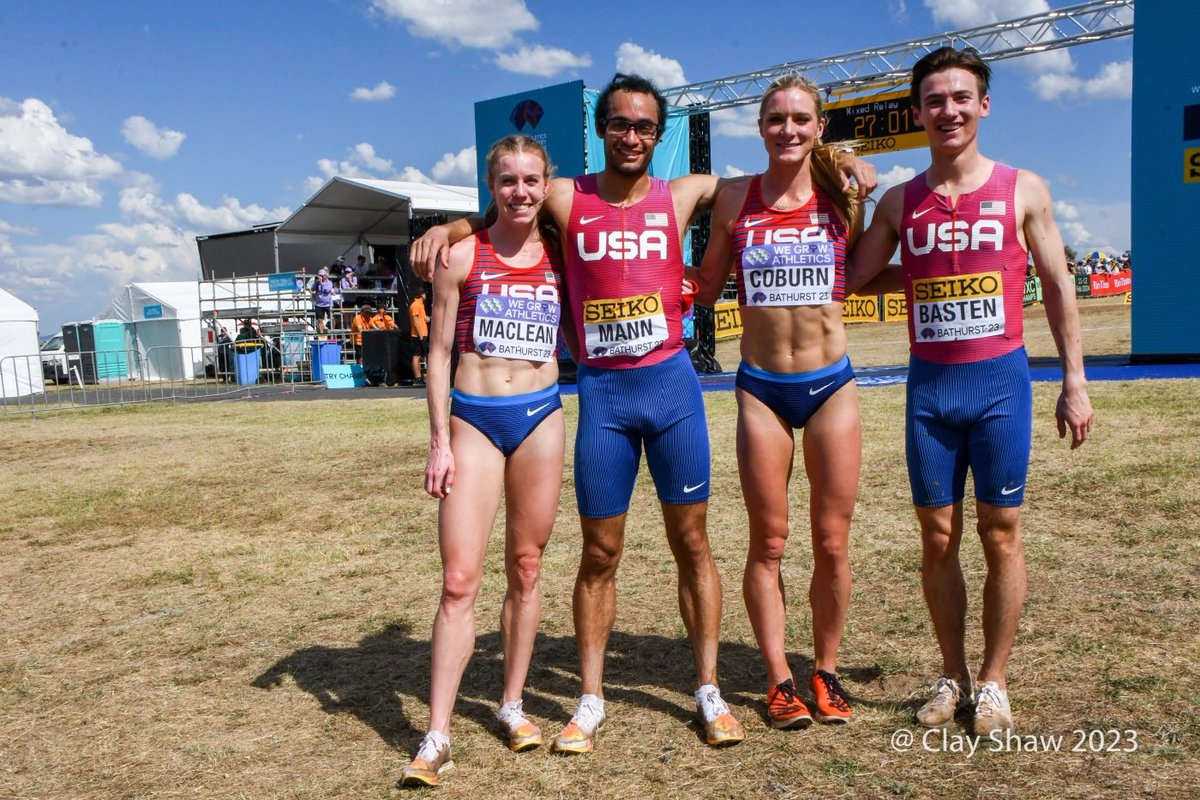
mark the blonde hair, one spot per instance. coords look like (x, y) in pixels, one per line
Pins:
(824, 156)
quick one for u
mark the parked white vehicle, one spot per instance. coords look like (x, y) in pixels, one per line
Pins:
(54, 359)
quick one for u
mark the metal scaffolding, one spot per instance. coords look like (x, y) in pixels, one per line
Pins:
(863, 70)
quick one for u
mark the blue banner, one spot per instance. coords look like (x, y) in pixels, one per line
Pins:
(551, 115)
(152, 311)
(281, 282)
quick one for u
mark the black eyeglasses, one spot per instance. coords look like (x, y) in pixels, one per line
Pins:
(619, 126)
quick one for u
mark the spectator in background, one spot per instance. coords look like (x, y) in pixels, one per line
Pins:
(362, 321)
(418, 319)
(360, 268)
(322, 294)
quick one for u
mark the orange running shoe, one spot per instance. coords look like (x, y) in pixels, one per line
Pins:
(831, 698)
(785, 708)
(721, 728)
(432, 759)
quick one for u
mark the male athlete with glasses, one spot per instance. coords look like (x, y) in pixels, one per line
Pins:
(622, 234)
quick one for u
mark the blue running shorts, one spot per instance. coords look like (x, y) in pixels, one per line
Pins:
(795, 396)
(505, 421)
(659, 406)
(978, 415)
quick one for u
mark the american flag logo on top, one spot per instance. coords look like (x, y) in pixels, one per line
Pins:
(657, 219)
(992, 208)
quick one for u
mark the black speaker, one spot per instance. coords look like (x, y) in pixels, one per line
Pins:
(79, 340)
(381, 357)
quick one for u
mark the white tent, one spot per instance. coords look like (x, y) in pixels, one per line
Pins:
(20, 362)
(163, 332)
(345, 217)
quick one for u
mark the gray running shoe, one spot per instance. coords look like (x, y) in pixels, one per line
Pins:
(948, 697)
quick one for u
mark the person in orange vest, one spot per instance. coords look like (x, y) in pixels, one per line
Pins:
(364, 320)
(419, 330)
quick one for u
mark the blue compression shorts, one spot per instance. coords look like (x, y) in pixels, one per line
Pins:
(506, 421)
(795, 396)
(978, 415)
(619, 410)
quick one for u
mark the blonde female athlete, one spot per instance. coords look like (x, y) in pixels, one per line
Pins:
(498, 304)
(787, 231)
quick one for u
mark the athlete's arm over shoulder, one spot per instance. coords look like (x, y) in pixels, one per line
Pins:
(1045, 244)
(558, 201)
(427, 252)
(866, 264)
(718, 255)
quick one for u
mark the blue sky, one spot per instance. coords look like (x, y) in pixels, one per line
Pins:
(129, 128)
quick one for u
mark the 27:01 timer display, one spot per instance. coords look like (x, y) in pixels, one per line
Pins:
(878, 124)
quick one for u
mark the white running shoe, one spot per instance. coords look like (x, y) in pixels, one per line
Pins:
(523, 734)
(992, 713)
(577, 736)
(432, 759)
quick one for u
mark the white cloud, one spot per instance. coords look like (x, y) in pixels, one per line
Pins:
(1113, 82)
(663, 72)
(456, 169)
(382, 91)
(1064, 211)
(1101, 226)
(488, 24)
(739, 122)
(545, 62)
(899, 11)
(1075, 234)
(43, 164)
(972, 13)
(893, 177)
(150, 139)
(363, 162)
(154, 241)
(231, 215)
(11, 229)
(734, 172)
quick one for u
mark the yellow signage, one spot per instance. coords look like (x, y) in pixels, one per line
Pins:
(894, 307)
(728, 319)
(879, 124)
(861, 309)
(1191, 165)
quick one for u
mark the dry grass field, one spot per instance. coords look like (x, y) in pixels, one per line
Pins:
(234, 601)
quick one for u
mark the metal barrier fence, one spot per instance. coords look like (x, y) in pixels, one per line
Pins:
(171, 373)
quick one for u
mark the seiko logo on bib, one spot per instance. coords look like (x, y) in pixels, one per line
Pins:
(593, 246)
(956, 235)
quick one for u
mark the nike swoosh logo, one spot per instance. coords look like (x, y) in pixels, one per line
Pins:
(529, 412)
(586, 220)
(1007, 491)
(483, 276)
(922, 212)
(750, 223)
(690, 489)
(820, 389)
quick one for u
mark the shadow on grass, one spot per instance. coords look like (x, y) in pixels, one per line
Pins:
(376, 679)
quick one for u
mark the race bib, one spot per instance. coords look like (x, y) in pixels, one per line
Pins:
(790, 274)
(959, 307)
(628, 326)
(516, 327)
